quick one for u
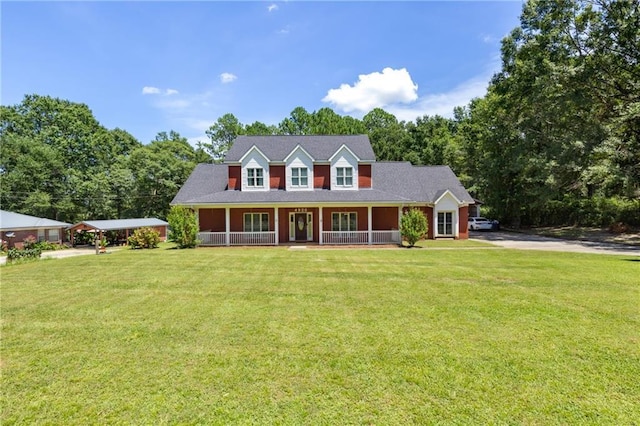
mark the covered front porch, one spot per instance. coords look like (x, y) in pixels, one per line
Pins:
(324, 225)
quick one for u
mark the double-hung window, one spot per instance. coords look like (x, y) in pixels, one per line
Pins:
(299, 177)
(344, 176)
(344, 221)
(256, 222)
(255, 178)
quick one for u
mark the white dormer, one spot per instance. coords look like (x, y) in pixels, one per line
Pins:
(255, 170)
(299, 170)
(344, 169)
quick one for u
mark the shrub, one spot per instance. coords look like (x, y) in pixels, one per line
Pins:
(30, 242)
(144, 238)
(24, 254)
(413, 226)
(184, 227)
(48, 246)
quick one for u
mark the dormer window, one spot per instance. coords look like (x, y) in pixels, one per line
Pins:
(299, 177)
(344, 176)
(255, 178)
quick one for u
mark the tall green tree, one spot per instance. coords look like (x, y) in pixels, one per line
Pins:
(159, 169)
(389, 137)
(221, 136)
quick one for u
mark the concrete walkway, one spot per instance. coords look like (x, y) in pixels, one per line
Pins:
(516, 240)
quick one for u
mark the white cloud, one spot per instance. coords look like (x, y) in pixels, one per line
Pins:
(406, 104)
(374, 90)
(442, 104)
(227, 77)
(272, 7)
(150, 90)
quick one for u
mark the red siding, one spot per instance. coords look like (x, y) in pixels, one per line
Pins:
(364, 176)
(235, 178)
(283, 216)
(237, 218)
(211, 220)
(385, 218)
(322, 176)
(428, 212)
(463, 223)
(361, 211)
(276, 177)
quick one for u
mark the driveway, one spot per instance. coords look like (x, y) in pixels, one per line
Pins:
(517, 240)
(58, 254)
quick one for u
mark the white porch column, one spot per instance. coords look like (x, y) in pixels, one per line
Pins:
(369, 224)
(227, 225)
(320, 225)
(276, 223)
(399, 216)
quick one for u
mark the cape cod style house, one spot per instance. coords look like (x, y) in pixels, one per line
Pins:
(274, 190)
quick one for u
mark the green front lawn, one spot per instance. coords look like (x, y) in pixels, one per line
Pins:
(277, 336)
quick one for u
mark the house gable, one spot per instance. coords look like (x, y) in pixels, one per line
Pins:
(255, 171)
(296, 162)
(343, 162)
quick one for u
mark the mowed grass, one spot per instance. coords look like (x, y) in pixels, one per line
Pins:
(359, 336)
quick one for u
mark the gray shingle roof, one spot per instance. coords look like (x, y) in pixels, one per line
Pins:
(116, 224)
(14, 221)
(391, 182)
(321, 148)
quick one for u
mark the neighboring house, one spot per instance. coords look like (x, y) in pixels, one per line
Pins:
(16, 227)
(124, 227)
(321, 189)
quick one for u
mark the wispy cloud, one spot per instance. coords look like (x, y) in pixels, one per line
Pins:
(441, 104)
(227, 77)
(272, 7)
(150, 90)
(374, 90)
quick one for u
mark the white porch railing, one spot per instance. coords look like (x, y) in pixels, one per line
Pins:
(253, 238)
(212, 238)
(345, 237)
(386, 237)
(237, 238)
(269, 238)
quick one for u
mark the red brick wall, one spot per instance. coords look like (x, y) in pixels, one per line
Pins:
(322, 176)
(276, 177)
(364, 175)
(463, 223)
(235, 177)
(211, 220)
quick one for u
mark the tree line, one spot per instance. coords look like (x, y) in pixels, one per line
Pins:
(556, 139)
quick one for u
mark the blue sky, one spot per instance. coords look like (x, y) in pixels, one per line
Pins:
(148, 67)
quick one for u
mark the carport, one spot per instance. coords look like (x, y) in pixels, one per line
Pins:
(128, 226)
